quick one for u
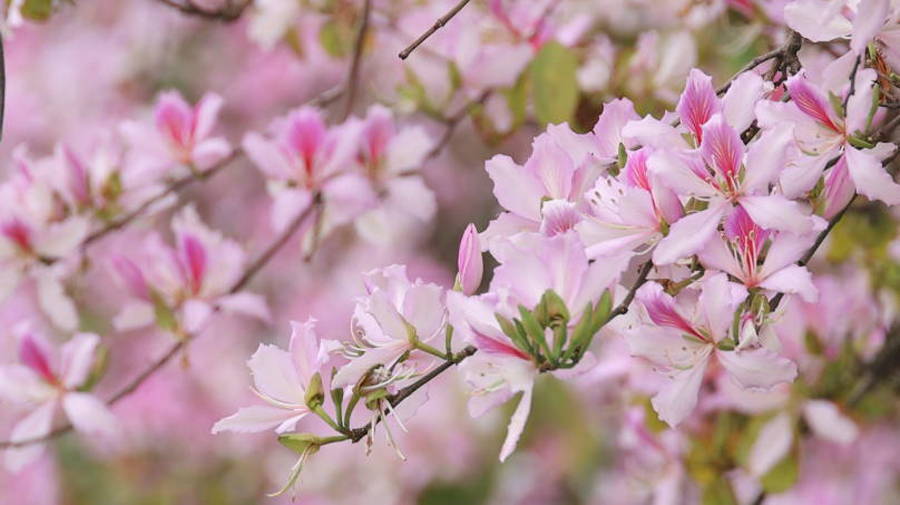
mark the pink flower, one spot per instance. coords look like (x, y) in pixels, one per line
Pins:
(820, 131)
(388, 322)
(723, 176)
(281, 379)
(469, 261)
(46, 379)
(739, 250)
(628, 211)
(303, 156)
(682, 347)
(181, 134)
(559, 169)
(193, 278)
(391, 158)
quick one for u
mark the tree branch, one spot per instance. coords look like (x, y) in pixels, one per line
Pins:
(441, 21)
(353, 75)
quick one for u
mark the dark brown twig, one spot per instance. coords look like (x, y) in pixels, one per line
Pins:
(353, 74)
(441, 21)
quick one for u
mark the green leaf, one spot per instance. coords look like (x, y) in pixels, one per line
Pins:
(315, 396)
(555, 86)
(782, 476)
(37, 10)
(299, 442)
(165, 318)
(331, 37)
(719, 492)
(602, 311)
(534, 330)
(513, 332)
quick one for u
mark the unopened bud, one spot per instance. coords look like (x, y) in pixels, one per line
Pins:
(469, 261)
(315, 396)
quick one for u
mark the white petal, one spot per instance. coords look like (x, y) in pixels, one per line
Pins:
(677, 399)
(772, 444)
(828, 422)
(35, 425)
(88, 414)
(516, 425)
(757, 368)
(255, 419)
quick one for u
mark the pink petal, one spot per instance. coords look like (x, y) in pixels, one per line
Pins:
(772, 444)
(608, 130)
(88, 414)
(35, 425)
(827, 421)
(675, 401)
(871, 179)
(256, 418)
(775, 212)
(698, 102)
(766, 158)
(514, 189)
(78, 358)
(688, 235)
(757, 368)
(206, 113)
(792, 279)
(871, 16)
(810, 101)
(722, 147)
(516, 425)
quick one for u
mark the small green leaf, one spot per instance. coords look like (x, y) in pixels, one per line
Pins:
(315, 396)
(165, 318)
(602, 311)
(534, 330)
(555, 85)
(782, 476)
(299, 442)
(37, 10)
(331, 37)
(719, 492)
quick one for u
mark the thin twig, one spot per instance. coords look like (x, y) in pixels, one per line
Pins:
(252, 269)
(441, 21)
(787, 52)
(353, 74)
(452, 122)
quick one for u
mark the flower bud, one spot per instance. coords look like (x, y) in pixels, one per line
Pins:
(470, 264)
(315, 396)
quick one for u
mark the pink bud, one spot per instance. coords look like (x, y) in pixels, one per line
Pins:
(469, 261)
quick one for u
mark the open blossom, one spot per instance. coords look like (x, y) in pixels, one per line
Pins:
(726, 174)
(822, 132)
(192, 279)
(388, 322)
(628, 211)
(281, 378)
(303, 156)
(688, 342)
(391, 158)
(38, 237)
(47, 379)
(181, 135)
(861, 21)
(551, 173)
(738, 250)
(529, 268)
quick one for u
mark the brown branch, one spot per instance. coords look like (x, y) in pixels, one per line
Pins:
(441, 21)
(786, 53)
(353, 75)
(252, 269)
(228, 13)
(452, 122)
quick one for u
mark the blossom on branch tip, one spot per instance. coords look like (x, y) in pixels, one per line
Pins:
(47, 379)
